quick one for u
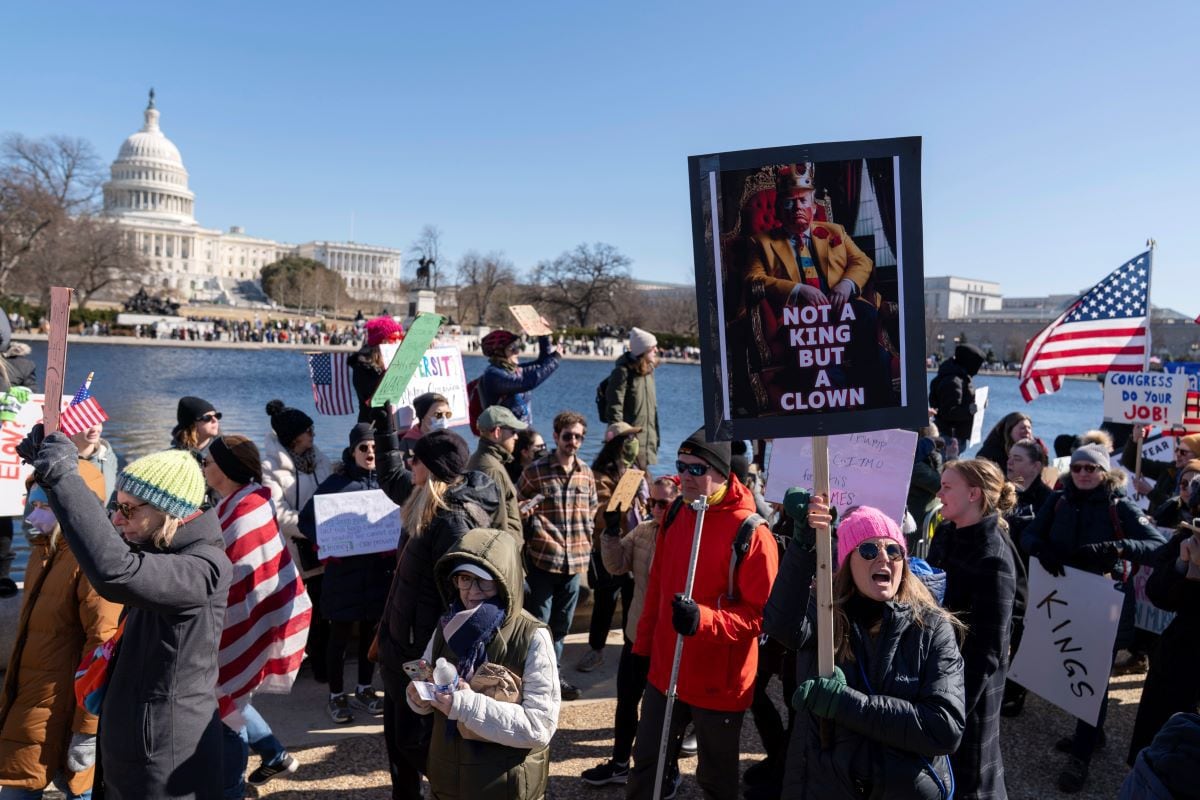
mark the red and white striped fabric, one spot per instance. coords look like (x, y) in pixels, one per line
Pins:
(1105, 330)
(266, 621)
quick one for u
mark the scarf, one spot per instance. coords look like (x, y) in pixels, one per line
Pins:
(305, 462)
(468, 631)
(91, 678)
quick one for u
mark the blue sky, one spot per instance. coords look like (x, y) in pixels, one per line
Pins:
(1057, 136)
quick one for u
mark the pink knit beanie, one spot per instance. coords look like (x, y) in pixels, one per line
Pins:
(865, 523)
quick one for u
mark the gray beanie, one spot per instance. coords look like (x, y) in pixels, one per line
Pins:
(1091, 454)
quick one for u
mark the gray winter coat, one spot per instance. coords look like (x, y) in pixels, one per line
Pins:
(160, 736)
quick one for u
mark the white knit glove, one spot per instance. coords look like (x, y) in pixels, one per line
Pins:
(82, 753)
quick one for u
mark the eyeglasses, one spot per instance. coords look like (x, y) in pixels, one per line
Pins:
(1088, 468)
(213, 417)
(870, 551)
(125, 508)
(514, 348)
(571, 437)
(653, 504)
(695, 470)
(464, 581)
(366, 447)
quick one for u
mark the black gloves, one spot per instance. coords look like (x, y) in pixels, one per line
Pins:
(1100, 551)
(1051, 563)
(685, 615)
(612, 523)
(52, 457)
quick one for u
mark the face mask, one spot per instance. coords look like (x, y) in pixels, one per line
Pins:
(629, 450)
(42, 519)
(439, 424)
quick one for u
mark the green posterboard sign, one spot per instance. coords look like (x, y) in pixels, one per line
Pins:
(404, 364)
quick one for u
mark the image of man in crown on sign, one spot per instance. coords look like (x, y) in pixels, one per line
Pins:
(806, 297)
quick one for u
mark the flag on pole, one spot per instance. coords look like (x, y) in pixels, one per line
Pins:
(332, 392)
(1106, 329)
(83, 412)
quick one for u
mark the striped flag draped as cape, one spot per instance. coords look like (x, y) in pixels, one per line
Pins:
(1106, 330)
(266, 621)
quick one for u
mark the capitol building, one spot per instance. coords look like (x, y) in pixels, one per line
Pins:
(148, 195)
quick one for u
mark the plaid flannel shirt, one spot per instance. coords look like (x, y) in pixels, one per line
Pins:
(558, 537)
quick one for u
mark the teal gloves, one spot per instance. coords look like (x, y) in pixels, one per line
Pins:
(821, 695)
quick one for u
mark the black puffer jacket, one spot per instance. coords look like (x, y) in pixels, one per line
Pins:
(413, 605)
(1071, 518)
(891, 738)
(355, 587)
(981, 577)
(951, 393)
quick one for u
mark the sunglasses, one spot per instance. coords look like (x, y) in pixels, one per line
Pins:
(366, 447)
(125, 508)
(653, 504)
(571, 437)
(695, 470)
(464, 581)
(870, 551)
(213, 417)
(1088, 468)
(540, 450)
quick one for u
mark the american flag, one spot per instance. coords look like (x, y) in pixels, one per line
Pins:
(267, 613)
(332, 391)
(1106, 329)
(83, 412)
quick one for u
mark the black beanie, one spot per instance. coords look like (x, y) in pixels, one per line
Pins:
(717, 454)
(444, 454)
(238, 458)
(191, 409)
(361, 431)
(288, 423)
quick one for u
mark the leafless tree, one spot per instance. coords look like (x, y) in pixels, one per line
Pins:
(582, 281)
(43, 183)
(425, 254)
(479, 278)
(105, 259)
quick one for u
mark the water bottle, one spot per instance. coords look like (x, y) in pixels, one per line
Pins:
(445, 676)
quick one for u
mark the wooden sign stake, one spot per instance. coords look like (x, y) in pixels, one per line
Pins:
(56, 355)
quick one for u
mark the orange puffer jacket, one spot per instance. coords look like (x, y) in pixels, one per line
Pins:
(718, 664)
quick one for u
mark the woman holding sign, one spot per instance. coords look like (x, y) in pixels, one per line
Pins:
(1091, 525)
(354, 588)
(974, 549)
(886, 721)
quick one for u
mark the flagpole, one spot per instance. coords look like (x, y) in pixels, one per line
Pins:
(1150, 244)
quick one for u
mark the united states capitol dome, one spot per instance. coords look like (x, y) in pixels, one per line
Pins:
(148, 178)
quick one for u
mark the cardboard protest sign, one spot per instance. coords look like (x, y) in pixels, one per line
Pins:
(12, 471)
(865, 469)
(1066, 650)
(440, 370)
(981, 400)
(809, 276)
(1141, 398)
(530, 320)
(354, 523)
(625, 491)
(404, 364)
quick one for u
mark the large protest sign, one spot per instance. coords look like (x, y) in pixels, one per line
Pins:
(354, 523)
(407, 359)
(809, 278)
(440, 370)
(1066, 651)
(12, 471)
(1146, 615)
(981, 401)
(1141, 398)
(865, 469)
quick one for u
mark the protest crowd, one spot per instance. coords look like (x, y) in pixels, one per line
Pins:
(160, 597)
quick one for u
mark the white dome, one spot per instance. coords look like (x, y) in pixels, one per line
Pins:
(148, 177)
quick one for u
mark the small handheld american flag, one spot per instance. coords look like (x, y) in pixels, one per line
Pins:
(330, 374)
(83, 412)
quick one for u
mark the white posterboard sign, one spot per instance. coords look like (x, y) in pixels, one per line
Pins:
(865, 469)
(981, 401)
(1066, 651)
(1146, 615)
(1145, 398)
(355, 523)
(12, 471)
(441, 370)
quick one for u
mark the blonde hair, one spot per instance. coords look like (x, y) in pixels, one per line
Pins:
(163, 537)
(997, 494)
(1097, 436)
(911, 592)
(424, 504)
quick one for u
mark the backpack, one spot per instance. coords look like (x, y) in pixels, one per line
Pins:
(602, 398)
(741, 541)
(474, 404)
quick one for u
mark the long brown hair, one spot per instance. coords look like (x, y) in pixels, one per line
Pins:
(911, 592)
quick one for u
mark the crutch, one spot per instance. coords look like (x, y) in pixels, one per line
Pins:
(699, 505)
